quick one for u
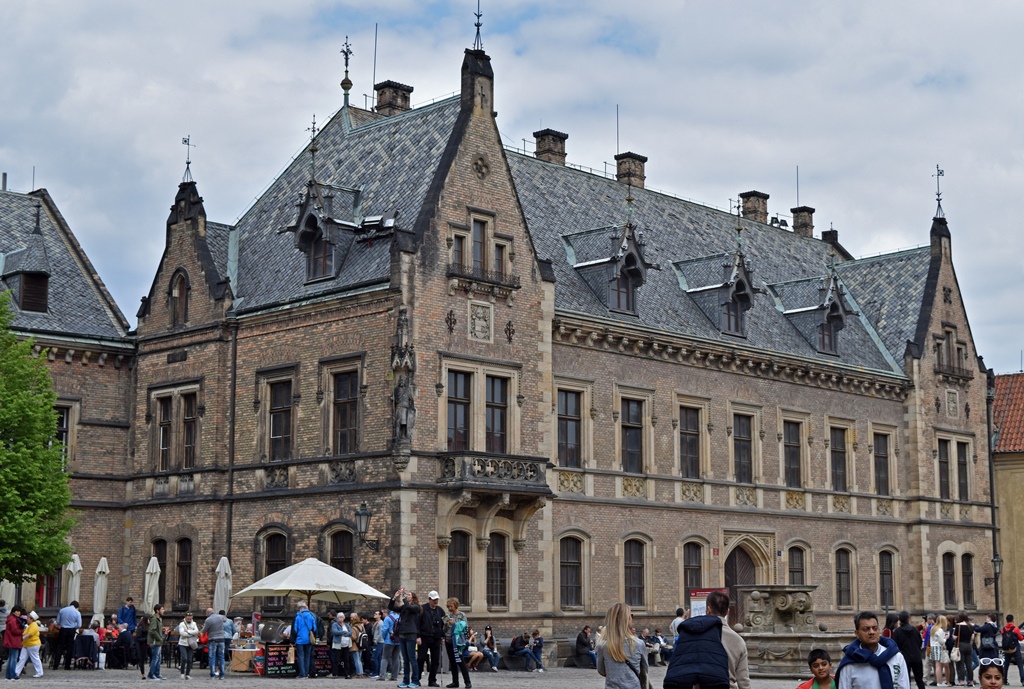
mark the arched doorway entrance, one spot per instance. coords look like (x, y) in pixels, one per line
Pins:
(739, 571)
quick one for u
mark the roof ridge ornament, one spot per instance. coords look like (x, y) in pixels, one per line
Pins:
(187, 141)
(346, 83)
(478, 44)
(938, 192)
(313, 131)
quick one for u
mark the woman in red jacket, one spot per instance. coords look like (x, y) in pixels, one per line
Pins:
(12, 639)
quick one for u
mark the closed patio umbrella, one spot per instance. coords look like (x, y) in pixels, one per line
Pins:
(99, 591)
(222, 590)
(74, 578)
(7, 593)
(151, 586)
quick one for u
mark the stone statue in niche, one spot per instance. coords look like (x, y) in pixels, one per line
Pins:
(479, 322)
(405, 411)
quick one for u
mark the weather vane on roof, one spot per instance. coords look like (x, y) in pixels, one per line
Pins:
(478, 44)
(187, 141)
(346, 83)
(938, 191)
(312, 148)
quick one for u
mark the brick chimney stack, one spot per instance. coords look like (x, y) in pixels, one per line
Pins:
(630, 168)
(803, 221)
(755, 206)
(392, 98)
(550, 146)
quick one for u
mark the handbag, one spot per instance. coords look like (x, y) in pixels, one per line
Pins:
(954, 655)
(471, 649)
(193, 643)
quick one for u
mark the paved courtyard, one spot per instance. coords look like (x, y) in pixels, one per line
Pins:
(556, 678)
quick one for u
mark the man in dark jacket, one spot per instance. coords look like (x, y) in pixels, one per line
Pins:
(908, 640)
(431, 635)
(700, 658)
(583, 647)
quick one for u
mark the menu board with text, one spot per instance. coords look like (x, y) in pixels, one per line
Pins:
(280, 660)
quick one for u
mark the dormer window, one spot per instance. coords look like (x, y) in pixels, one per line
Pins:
(34, 292)
(733, 318)
(321, 258)
(179, 299)
(828, 331)
(622, 290)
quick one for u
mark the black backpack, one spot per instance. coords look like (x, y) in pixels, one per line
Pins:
(1010, 639)
(699, 656)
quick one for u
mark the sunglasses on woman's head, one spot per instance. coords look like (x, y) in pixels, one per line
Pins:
(991, 661)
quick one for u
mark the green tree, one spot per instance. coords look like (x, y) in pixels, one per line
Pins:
(34, 513)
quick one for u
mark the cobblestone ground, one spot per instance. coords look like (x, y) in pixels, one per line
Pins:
(556, 678)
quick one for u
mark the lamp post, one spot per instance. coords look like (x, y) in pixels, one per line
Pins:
(363, 515)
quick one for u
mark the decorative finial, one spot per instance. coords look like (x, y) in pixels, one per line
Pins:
(478, 44)
(739, 238)
(629, 205)
(938, 192)
(832, 260)
(312, 148)
(346, 83)
(187, 141)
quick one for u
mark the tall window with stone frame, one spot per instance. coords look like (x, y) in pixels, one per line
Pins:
(164, 432)
(346, 413)
(949, 580)
(189, 421)
(881, 453)
(280, 420)
(458, 565)
(689, 442)
(733, 317)
(967, 580)
(692, 579)
(570, 429)
(633, 574)
(844, 579)
(791, 452)
(497, 571)
(886, 585)
(48, 589)
(160, 553)
(179, 299)
(459, 251)
(961, 470)
(743, 447)
(837, 450)
(944, 469)
(275, 558)
(459, 394)
(631, 423)
(320, 259)
(622, 290)
(183, 575)
(496, 414)
(63, 433)
(342, 551)
(796, 566)
(479, 249)
(570, 573)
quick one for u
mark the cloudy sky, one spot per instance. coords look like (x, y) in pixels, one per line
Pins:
(865, 97)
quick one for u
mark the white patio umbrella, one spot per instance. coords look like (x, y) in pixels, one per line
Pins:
(222, 590)
(151, 586)
(74, 578)
(99, 591)
(312, 579)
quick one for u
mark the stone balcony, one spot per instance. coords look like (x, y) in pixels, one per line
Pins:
(500, 473)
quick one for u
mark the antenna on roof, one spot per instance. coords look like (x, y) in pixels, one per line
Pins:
(938, 192)
(478, 44)
(616, 129)
(346, 83)
(312, 148)
(187, 142)
(797, 185)
(374, 83)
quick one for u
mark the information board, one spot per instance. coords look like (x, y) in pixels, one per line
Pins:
(280, 660)
(322, 659)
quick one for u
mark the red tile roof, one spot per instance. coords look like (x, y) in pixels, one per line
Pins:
(1008, 412)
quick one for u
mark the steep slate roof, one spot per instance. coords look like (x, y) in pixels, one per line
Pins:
(691, 243)
(1008, 412)
(387, 162)
(78, 302)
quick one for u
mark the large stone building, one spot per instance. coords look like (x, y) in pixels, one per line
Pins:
(552, 389)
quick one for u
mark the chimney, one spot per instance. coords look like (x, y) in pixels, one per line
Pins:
(550, 146)
(392, 98)
(4, 183)
(803, 222)
(630, 168)
(755, 206)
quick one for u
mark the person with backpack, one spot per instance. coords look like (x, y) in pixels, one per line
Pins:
(1011, 638)
(988, 637)
(391, 656)
(621, 657)
(908, 640)
(456, 631)
(700, 657)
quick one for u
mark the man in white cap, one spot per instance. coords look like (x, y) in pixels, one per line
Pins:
(431, 635)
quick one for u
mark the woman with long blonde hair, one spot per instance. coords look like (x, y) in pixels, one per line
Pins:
(621, 657)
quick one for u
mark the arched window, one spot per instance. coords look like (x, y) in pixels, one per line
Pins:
(342, 553)
(733, 319)
(458, 566)
(967, 575)
(633, 572)
(886, 585)
(949, 580)
(160, 553)
(692, 579)
(622, 290)
(275, 558)
(844, 578)
(570, 572)
(179, 299)
(320, 259)
(497, 571)
(183, 575)
(797, 575)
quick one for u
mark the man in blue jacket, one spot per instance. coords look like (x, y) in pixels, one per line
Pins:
(303, 632)
(126, 615)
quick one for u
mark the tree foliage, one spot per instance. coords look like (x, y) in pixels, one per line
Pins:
(34, 513)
